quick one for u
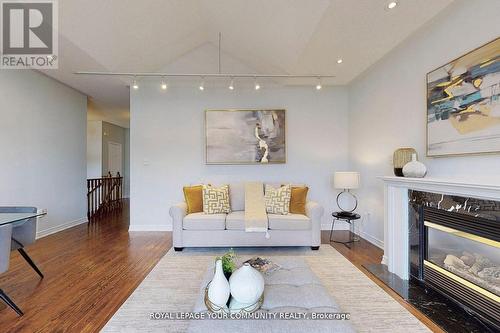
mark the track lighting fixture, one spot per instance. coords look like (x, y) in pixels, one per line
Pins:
(217, 75)
(256, 77)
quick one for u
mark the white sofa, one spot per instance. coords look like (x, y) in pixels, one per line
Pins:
(228, 230)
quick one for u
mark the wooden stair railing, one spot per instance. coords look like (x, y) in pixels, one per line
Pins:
(104, 195)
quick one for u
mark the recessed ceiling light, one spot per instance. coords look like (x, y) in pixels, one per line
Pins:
(392, 5)
(339, 61)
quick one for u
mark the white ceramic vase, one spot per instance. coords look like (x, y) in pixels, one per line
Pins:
(414, 169)
(218, 290)
(247, 285)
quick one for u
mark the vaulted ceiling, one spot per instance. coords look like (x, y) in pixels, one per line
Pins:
(271, 36)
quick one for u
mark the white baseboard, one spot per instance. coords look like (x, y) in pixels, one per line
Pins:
(340, 225)
(375, 241)
(61, 227)
(150, 227)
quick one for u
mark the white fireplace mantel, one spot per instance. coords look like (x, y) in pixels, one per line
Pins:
(396, 252)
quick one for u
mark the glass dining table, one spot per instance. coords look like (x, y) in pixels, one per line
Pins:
(15, 219)
(9, 218)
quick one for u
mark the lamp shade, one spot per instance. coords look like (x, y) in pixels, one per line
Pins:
(346, 180)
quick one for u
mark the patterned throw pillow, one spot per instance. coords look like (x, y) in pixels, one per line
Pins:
(216, 200)
(277, 199)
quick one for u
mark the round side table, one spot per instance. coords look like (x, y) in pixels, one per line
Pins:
(349, 218)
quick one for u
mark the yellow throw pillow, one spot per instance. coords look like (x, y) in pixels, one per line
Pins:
(194, 198)
(298, 200)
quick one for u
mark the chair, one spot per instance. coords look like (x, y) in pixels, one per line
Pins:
(23, 233)
(5, 248)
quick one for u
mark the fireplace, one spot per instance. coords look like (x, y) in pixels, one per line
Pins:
(454, 247)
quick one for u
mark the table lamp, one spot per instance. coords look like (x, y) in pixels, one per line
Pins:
(346, 181)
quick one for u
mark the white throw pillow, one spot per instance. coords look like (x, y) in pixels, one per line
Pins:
(277, 199)
(216, 200)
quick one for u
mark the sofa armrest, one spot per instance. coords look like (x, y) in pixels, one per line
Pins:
(315, 211)
(178, 212)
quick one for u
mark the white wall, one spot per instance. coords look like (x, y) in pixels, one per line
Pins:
(42, 145)
(94, 149)
(115, 134)
(126, 158)
(167, 144)
(387, 104)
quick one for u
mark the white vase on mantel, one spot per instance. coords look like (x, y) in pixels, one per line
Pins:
(218, 290)
(414, 169)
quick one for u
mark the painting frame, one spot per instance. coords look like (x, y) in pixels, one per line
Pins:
(455, 60)
(206, 152)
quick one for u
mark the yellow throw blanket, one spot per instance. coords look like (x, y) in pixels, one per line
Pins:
(255, 208)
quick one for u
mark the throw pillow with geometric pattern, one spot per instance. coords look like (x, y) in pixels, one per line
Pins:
(216, 200)
(277, 199)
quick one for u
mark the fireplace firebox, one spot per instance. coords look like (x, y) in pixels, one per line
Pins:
(455, 249)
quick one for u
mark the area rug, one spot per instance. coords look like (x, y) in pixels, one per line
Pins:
(174, 284)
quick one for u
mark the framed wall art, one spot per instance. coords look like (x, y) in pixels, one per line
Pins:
(463, 104)
(245, 136)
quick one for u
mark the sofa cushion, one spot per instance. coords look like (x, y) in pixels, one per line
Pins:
(202, 221)
(235, 221)
(237, 196)
(289, 222)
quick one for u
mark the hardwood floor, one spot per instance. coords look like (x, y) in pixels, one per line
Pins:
(91, 270)
(364, 252)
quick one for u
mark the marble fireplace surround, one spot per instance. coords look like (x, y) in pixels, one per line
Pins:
(396, 233)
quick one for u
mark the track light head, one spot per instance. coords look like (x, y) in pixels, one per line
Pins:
(135, 85)
(163, 85)
(318, 85)
(256, 84)
(231, 85)
(202, 84)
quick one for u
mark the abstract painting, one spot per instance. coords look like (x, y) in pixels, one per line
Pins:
(463, 104)
(245, 136)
